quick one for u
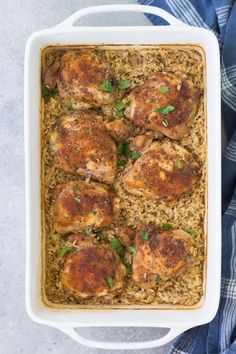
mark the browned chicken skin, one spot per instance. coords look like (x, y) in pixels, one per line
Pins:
(81, 144)
(125, 234)
(92, 269)
(118, 129)
(161, 255)
(177, 98)
(80, 205)
(79, 76)
(164, 170)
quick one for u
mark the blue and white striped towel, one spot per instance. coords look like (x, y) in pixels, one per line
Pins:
(219, 336)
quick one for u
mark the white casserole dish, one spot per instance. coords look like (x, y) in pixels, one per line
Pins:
(178, 320)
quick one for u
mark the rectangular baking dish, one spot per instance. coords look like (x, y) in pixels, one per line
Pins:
(177, 319)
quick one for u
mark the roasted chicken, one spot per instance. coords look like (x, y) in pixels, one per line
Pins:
(82, 144)
(81, 205)
(160, 255)
(165, 103)
(164, 170)
(92, 269)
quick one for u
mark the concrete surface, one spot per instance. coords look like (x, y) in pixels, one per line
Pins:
(18, 334)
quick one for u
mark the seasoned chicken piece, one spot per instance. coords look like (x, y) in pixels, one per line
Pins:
(160, 255)
(164, 103)
(81, 144)
(92, 269)
(164, 170)
(80, 79)
(125, 234)
(80, 205)
(118, 129)
(141, 143)
(50, 77)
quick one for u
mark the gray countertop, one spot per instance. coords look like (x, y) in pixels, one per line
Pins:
(18, 334)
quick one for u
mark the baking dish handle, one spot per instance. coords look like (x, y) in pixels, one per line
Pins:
(173, 333)
(70, 21)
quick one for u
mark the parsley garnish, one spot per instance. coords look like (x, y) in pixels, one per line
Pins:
(128, 267)
(164, 89)
(144, 235)
(69, 105)
(133, 249)
(178, 163)
(77, 198)
(123, 149)
(123, 84)
(158, 279)
(135, 155)
(75, 188)
(111, 281)
(65, 250)
(87, 232)
(184, 170)
(94, 212)
(190, 230)
(49, 93)
(165, 122)
(164, 110)
(107, 86)
(119, 106)
(167, 226)
(121, 163)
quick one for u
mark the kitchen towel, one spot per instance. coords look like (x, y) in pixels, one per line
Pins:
(219, 336)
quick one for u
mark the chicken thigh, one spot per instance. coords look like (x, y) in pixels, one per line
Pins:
(164, 170)
(79, 205)
(82, 144)
(92, 269)
(160, 255)
(164, 103)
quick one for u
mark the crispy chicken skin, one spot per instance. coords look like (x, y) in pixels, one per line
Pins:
(125, 234)
(118, 129)
(80, 77)
(164, 170)
(164, 255)
(145, 98)
(79, 205)
(87, 270)
(81, 144)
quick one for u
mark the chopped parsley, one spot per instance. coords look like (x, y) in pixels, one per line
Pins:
(121, 163)
(75, 188)
(87, 232)
(178, 163)
(165, 122)
(123, 149)
(135, 155)
(119, 106)
(133, 249)
(144, 235)
(167, 226)
(128, 267)
(49, 93)
(65, 250)
(111, 281)
(164, 89)
(123, 84)
(191, 231)
(77, 198)
(94, 212)
(164, 110)
(158, 279)
(184, 170)
(108, 87)
(69, 105)
(118, 246)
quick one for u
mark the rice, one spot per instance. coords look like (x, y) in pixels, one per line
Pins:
(134, 64)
